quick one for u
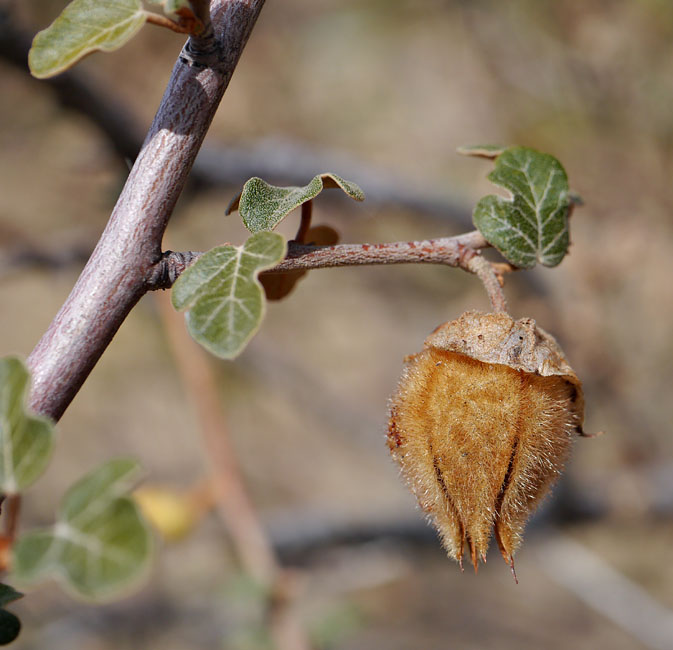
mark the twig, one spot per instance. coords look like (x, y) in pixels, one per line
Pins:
(451, 251)
(250, 540)
(605, 590)
(163, 21)
(11, 507)
(483, 269)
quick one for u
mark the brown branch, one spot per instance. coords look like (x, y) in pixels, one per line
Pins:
(11, 506)
(305, 223)
(451, 251)
(484, 270)
(163, 21)
(251, 542)
(114, 278)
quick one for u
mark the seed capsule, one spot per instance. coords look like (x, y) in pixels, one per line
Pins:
(481, 425)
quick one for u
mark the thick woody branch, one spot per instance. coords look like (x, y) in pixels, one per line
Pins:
(114, 278)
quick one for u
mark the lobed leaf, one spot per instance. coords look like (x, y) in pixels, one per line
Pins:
(222, 294)
(532, 225)
(99, 546)
(83, 27)
(264, 206)
(26, 439)
(10, 625)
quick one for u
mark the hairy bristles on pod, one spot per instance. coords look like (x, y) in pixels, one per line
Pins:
(481, 424)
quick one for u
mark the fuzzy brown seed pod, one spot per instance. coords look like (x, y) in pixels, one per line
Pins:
(481, 425)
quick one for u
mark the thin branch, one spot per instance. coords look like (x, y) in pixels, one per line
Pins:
(451, 251)
(484, 270)
(163, 21)
(114, 278)
(251, 542)
(13, 508)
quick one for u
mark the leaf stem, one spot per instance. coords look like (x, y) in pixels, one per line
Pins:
(484, 270)
(305, 223)
(163, 21)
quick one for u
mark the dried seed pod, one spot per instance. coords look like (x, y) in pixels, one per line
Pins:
(481, 425)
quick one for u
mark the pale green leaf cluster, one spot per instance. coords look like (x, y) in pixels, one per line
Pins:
(26, 439)
(100, 546)
(224, 298)
(263, 206)
(83, 27)
(531, 225)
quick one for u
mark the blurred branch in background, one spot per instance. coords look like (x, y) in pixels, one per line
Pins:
(276, 160)
(76, 91)
(19, 252)
(605, 590)
(251, 543)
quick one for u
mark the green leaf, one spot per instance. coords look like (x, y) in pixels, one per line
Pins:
(83, 27)
(263, 206)
(223, 295)
(26, 440)
(532, 225)
(100, 546)
(10, 625)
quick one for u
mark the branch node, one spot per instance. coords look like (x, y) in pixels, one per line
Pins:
(167, 270)
(202, 50)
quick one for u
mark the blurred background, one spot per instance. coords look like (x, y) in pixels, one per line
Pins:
(382, 93)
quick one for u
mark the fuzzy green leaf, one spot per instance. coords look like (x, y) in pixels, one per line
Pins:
(263, 206)
(83, 27)
(10, 625)
(532, 225)
(26, 440)
(223, 295)
(100, 546)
